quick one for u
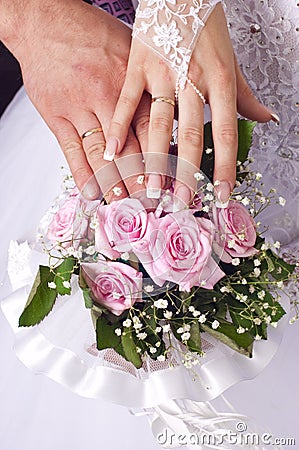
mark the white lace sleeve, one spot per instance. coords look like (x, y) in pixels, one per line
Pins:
(171, 28)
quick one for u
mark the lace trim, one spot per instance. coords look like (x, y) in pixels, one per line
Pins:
(171, 28)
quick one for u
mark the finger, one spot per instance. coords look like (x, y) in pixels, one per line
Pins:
(190, 145)
(106, 173)
(141, 120)
(159, 136)
(71, 145)
(248, 105)
(222, 99)
(125, 109)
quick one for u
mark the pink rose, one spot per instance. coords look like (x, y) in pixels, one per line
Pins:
(235, 230)
(70, 224)
(114, 285)
(178, 247)
(120, 224)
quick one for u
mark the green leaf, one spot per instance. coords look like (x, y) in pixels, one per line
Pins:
(41, 299)
(129, 347)
(194, 342)
(226, 333)
(245, 132)
(105, 332)
(87, 298)
(64, 273)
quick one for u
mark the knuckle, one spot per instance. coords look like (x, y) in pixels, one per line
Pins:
(95, 151)
(71, 149)
(81, 174)
(126, 101)
(228, 135)
(193, 136)
(142, 124)
(161, 123)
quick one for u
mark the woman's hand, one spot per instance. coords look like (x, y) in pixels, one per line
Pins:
(214, 71)
(74, 58)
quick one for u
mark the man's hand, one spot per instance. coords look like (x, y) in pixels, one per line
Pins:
(74, 59)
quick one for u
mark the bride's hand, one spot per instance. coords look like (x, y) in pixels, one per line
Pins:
(214, 71)
(73, 59)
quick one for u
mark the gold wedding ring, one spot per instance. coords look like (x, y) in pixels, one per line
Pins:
(164, 99)
(90, 132)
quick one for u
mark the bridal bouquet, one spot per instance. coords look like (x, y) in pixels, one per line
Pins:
(155, 280)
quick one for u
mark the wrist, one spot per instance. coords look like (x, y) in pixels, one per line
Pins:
(22, 21)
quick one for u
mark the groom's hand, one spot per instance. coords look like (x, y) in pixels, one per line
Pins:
(74, 59)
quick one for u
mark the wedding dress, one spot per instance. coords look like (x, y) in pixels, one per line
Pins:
(37, 413)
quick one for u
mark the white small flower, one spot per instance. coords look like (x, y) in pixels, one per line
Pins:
(273, 324)
(244, 281)
(257, 337)
(137, 326)
(251, 289)
(158, 344)
(257, 321)
(235, 261)
(149, 288)
(153, 350)
(282, 201)
(140, 179)
(206, 209)
(257, 262)
(210, 187)
(268, 319)
(240, 330)
(231, 243)
(239, 198)
(224, 289)
(167, 314)
(117, 331)
(258, 176)
(196, 313)
(185, 336)
(279, 284)
(66, 284)
(161, 358)
(266, 305)
(161, 303)
(202, 318)
(208, 151)
(117, 191)
(245, 201)
(90, 250)
(216, 183)
(198, 176)
(208, 197)
(257, 272)
(262, 200)
(166, 328)
(125, 256)
(187, 364)
(191, 308)
(277, 244)
(141, 336)
(127, 323)
(215, 324)
(264, 246)
(52, 285)
(261, 294)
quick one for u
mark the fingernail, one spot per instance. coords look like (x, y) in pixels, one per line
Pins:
(182, 198)
(153, 188)
(275, 118)
(112, 145)
(223, 192)
(91, 192)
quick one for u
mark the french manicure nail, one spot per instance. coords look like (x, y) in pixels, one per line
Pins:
(112, 145)
(153, 188)
(223, 192)
(275, 118)
(182, 198)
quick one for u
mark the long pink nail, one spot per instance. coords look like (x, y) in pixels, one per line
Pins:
(223, 192)
(112, 146)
